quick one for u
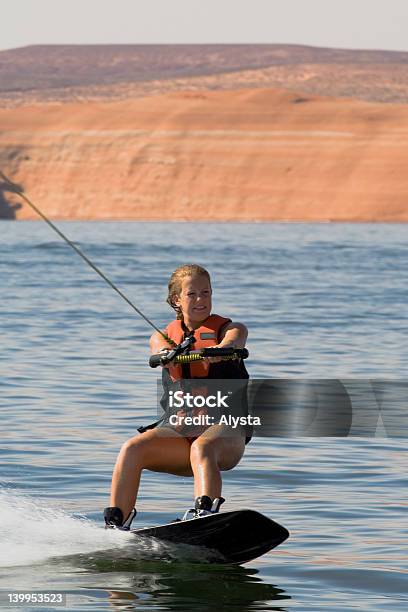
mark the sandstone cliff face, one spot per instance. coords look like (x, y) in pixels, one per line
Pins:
(239, 155)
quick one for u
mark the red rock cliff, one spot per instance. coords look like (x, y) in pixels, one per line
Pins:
(232, 155)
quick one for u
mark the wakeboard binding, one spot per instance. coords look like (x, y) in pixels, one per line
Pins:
(114, 518)
(203, 506)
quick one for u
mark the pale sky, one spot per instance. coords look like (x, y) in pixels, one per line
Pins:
(352, 24)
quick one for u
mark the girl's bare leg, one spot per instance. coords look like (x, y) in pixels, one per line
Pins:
(159, 450)
(217, 449)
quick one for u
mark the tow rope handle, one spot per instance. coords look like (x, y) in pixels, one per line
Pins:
(226, 354)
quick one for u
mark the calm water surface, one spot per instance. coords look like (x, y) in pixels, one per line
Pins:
(319, 300)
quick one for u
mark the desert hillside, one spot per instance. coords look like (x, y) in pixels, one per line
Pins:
(239, 154)
(69, 73)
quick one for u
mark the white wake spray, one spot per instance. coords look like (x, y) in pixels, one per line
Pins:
(31, 532)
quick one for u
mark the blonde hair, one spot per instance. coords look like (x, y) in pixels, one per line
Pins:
(175, 283)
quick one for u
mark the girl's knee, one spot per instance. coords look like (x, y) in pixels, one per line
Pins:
(137, 446)
(203, 448)
(226, 455)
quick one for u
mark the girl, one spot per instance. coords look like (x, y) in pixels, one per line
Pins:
(164, 448)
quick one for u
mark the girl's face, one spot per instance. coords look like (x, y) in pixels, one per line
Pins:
(195, 299)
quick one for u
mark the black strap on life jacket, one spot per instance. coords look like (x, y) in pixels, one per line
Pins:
(185, 367)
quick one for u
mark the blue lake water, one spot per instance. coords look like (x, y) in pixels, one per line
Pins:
(320, 301)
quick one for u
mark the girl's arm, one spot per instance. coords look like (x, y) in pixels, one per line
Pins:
(157, 343)
(234, 335)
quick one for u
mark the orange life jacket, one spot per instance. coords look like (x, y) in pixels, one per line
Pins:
(206, 335)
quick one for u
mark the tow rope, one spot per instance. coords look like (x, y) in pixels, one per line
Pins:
(14, 188)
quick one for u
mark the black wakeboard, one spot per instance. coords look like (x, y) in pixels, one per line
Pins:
(237, 537)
